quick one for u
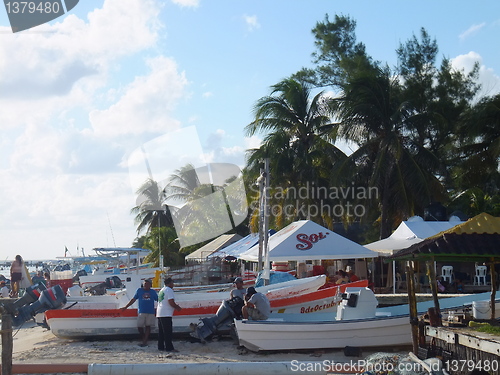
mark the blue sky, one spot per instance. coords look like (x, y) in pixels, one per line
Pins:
(78, 95)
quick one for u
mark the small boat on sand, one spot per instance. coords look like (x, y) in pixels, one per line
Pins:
(357, 322)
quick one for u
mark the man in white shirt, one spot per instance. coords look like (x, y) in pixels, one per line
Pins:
(164, 312)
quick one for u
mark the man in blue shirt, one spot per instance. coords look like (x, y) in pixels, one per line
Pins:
(146, 313)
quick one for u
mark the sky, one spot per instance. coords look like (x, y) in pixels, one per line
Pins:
(81, 94)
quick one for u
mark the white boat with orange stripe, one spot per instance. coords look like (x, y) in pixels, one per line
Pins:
(93, 319)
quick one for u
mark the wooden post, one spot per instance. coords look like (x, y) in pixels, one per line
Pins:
(433, 284)
(493, 288)
(412, 301)
(6, 343)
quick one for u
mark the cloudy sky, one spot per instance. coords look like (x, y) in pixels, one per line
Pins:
(79, 95)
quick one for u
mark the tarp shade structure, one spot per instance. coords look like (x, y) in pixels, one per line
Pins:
(464, 247)
(482, 223)
(220, 242)
(475, 240)
(239, 247)
(305, 240)
(409, 233)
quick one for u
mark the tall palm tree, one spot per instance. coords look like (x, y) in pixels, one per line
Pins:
(480, 150)
(298, 138)
(372, 114)
(151, 212)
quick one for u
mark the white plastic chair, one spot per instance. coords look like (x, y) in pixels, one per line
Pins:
(480, 278)
(447, 273)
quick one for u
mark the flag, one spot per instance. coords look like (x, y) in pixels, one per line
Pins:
(65, 251)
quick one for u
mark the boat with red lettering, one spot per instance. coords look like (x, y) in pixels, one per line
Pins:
(90, 319)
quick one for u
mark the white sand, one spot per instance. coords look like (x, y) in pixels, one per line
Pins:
(34, 344)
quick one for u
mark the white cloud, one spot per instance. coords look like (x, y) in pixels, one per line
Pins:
(252, 22)
(252, 142)
(474, 29)
(187, 3)
(490, 82)
(64, 177)
(50, 62)
(207, 94)
(147, 103)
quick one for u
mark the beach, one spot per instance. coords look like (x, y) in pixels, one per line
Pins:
(35, 344)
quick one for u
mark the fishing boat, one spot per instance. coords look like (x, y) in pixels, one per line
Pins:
(99, 318)
(356, 322)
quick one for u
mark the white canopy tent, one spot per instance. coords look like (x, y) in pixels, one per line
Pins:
(305, 240)
(410, 232)
(240, 246)
(220, 242)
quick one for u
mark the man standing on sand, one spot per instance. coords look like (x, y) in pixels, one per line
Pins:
(146, 313)
(164, 313)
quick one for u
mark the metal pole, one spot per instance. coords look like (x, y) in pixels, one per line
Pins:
(159, 237)
(266, 222)
(261, 221)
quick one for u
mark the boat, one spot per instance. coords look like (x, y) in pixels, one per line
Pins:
(115, 261)
(356, 322)
(99, 318)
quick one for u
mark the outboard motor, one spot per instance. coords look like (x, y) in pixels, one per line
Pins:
(357, 303)
(32, 294)
(35, 302)
(228, 310)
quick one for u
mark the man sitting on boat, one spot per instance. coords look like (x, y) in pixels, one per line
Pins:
(239, 291)
(237, 296)
(257, 306)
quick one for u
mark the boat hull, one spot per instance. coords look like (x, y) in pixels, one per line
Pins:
(277, 335)
(82, 321)
(390, 327)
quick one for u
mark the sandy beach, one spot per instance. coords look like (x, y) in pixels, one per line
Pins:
(34, 344)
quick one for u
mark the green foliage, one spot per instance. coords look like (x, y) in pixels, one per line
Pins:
(493, 330)
(421, 134)
(163, 241)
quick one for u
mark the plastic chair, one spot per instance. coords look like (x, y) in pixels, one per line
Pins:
(447, 273)
(400, 283)
(480, 278)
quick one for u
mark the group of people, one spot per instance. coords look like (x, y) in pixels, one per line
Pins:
(256, 307)
(343, 277)
(18, 274)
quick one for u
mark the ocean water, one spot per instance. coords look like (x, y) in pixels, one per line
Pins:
(5, 270)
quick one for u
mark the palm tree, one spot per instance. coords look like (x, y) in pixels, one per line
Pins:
(203, 209)
(372, 114)
(298, 141)
(480, 149)
(164, 237)
(151, 211)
